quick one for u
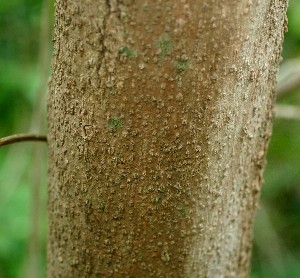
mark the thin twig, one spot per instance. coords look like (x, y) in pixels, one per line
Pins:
(21, 138)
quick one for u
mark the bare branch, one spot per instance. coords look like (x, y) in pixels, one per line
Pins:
(289, 77)
(285, 111)
(21, 138)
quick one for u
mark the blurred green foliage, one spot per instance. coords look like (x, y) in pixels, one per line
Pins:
(276, 250)
(19, 44)
(291, 47)
(20, 23)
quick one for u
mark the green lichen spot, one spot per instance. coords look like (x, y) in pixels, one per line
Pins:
(115, 123)
(182, 211)
(145, 7)
(165, 45)
(156, 200)
(126, 51)
(101, 207)
(181, 65)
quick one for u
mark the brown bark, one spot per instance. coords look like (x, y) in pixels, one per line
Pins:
(159, 118)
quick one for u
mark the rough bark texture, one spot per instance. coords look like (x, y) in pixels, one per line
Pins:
(159, 118)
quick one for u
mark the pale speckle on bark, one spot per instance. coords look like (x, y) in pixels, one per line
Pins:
(159, 119)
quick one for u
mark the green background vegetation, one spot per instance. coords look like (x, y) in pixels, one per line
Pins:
(277, 229)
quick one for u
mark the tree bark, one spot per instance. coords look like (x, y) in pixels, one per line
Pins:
(159, 118)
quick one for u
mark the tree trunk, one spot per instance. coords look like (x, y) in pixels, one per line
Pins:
(159, 119)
